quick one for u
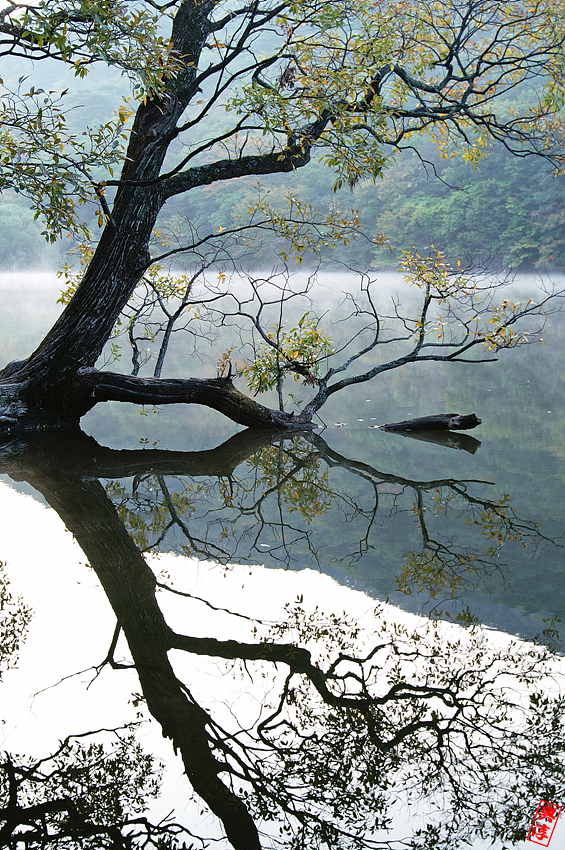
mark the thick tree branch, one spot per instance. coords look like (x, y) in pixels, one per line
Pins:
(217, 393)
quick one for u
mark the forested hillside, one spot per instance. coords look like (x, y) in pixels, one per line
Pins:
(509, 209)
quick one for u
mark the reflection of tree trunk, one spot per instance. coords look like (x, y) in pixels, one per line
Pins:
(130, 586)
(80, 455)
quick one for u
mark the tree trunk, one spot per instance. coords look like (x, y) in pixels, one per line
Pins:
(47, 390)
(130, 587)
(42, 389)
(78, 337)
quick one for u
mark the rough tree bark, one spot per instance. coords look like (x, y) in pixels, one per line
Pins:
(49, 389)
(55, 385)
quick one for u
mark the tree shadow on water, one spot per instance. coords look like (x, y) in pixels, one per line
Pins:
(356, 716)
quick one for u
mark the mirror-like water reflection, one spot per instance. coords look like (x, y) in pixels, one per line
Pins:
(228, 598)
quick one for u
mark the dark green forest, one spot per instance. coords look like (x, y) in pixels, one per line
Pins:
(509, 210)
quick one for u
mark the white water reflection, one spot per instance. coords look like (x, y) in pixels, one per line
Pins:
(48, 696)
(73, 624)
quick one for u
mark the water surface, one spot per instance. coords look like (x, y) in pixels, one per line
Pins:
(463, 528)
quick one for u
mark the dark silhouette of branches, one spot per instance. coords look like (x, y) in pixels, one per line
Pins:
(351, 710)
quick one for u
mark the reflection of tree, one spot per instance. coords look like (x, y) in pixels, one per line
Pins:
(461, 532)
(14, 620)
(258, 499)
(86, 794)
(444, 559)
(217, 513)
(351, 719)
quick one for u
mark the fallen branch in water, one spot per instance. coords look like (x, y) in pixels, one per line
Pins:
(439, 422)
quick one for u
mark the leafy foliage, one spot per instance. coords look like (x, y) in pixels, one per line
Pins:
(444, 716)
(300, 351)
(83, 33)
(52, 166)
(57, 168)
(84, 795)
(351, 84)
(360, 80)
(14, 620)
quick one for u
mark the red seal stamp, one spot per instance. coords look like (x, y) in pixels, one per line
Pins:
(544, 823)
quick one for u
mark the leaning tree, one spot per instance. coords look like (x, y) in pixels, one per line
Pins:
(351, 83)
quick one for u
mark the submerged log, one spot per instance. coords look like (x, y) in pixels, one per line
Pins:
(439, 422)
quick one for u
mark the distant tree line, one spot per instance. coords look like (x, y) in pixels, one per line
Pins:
(509, 210)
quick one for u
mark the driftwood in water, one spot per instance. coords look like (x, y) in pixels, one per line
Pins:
(440, 422)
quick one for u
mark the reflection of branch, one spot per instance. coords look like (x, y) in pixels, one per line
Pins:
(409, 699)
(85, 457)
(206, 548)
(286, 479)
(208, 604)
(84, 794)
(444, 564)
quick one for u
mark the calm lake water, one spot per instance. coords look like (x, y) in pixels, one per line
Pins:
(249, 532)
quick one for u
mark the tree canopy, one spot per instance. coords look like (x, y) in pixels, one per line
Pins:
(223, 91)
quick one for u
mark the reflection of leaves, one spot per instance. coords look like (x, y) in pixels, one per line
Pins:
(14, 620)
(443, 716)
(297, 476)
(323, 633)
(86, 794)
(145, 512)
(449, 564)
(458, 538)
